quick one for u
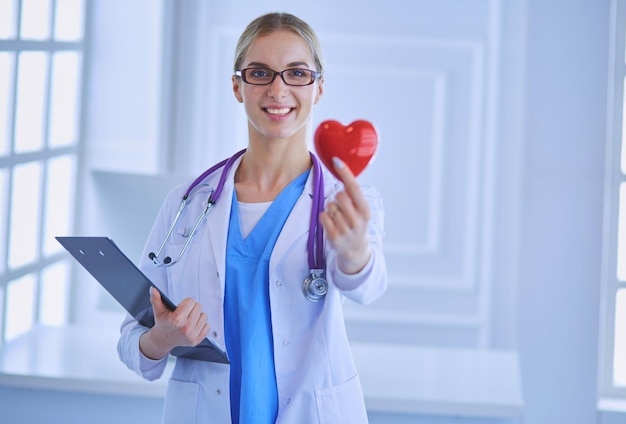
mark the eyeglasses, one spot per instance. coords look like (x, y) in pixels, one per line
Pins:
(265, 76)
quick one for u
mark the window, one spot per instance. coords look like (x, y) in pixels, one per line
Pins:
(613, 323)
(41, 52)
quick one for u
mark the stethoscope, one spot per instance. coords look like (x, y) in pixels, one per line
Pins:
(315, 285)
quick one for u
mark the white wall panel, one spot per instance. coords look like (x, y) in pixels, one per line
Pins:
(427, 79)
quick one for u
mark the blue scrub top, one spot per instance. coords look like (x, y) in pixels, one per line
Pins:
(247, 317)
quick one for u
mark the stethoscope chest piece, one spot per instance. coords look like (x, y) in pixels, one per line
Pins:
(315, 286)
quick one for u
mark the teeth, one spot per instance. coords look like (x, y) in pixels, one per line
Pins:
(278, 111)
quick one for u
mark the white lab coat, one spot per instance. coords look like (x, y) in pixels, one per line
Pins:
(315, 373)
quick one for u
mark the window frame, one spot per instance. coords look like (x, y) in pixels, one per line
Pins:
(608, 392)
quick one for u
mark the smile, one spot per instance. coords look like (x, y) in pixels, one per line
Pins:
(281, 111)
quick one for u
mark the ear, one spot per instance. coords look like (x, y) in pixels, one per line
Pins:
(237, 88)
(320, 90)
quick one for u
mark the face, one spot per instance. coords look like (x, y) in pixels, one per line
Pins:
(278, 111)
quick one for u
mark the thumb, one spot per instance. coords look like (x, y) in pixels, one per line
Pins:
(155, 300)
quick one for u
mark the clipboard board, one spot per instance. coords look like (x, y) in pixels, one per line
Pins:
(119, 276)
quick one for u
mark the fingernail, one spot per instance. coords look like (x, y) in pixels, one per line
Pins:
(337, 162)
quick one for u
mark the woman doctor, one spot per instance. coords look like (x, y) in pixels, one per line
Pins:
(239, 282)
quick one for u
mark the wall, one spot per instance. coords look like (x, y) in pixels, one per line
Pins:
(566, 71)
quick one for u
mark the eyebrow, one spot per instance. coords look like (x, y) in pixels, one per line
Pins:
(264, 65)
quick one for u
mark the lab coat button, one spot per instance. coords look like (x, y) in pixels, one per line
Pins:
(279, 283)
(288, 401)
(285, 342)
(214, 334)
(218, 392)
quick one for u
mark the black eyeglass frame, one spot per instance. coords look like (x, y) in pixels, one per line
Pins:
(314, 75)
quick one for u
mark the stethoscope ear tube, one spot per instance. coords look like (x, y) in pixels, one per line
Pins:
(227, 164)
(168, 261)
(154, 257)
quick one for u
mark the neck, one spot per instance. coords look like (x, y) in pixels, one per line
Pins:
(264, 172)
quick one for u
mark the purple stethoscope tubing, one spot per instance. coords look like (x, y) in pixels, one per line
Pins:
(315, 285)
(227, 164)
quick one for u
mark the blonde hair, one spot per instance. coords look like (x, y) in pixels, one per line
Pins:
(266, 24)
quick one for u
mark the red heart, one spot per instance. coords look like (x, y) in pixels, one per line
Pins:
(354, 144)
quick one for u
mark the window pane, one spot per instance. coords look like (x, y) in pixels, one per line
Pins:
(6, 99)
(24, 216)
(20, 315)
(54, 306)
(7, 18)
(59, 215)
(619, 354)
(621, 234)
(68, 20)
(64, 98)
(623, 143)
(4, 210)
(31, 95)
(2, 315)
(35, 23)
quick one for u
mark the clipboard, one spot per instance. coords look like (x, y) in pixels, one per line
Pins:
(104, 260)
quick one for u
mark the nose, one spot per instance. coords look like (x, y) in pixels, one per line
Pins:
(277, 88)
